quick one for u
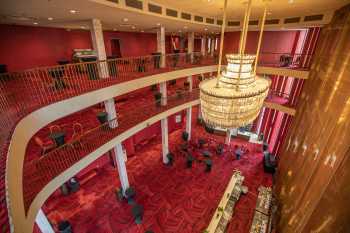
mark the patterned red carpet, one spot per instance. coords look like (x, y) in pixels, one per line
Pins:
(175, 199)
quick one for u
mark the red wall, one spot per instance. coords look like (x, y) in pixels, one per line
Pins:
(272, 42)
(132, 43)
(24, 47)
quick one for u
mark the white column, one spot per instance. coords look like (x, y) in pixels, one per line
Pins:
(163, 91)
(112, 113)
(161, 44)
(43, 223)
(228, 137)
(119, 158)
(190, 44)
(165, 141)
(259, 124)
(99, 47)
(203, 45)
(212, 46)
(190, 81)
(97, 39)
(189, 121)
(199, 112)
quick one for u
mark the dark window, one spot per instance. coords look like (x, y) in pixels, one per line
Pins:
(170, 12)
(154, 8)
(198, 18)
(186, 16)
(313, 18)
(292, 20)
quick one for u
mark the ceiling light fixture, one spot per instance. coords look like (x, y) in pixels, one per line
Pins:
(205, 29)
(125, 19)
(290, 1)
(73, 11)
(82, 27)
(158, 24)
(142, 31)
(235, 97)
(35, 23)
(133, 27)
(50, 18)
(114, 29)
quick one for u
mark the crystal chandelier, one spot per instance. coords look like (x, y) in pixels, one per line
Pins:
(235, 97)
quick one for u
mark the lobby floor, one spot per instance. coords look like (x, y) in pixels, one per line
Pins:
(175, 199)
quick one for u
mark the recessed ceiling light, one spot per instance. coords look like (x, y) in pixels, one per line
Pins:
(73, 11)
(35, 23)
(290, 1)
(125, 19)
(205, 29)
(82, 27)
(114, 29)
(158, 24)
(50, 18)
(133, 27)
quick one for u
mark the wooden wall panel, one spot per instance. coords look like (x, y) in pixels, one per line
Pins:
(317, 145)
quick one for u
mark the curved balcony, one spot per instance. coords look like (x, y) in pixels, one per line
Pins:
(25, 92)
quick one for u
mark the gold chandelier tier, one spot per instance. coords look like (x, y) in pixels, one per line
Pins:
(236, 98)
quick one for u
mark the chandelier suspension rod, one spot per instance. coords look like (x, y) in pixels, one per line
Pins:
(243, 39)
(260, 39)
(221, 43)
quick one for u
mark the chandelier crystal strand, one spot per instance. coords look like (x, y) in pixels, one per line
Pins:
(236, 97)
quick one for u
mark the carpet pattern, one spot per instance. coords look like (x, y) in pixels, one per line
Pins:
(175, 199)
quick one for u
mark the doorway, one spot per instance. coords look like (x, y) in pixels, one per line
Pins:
(115, 48)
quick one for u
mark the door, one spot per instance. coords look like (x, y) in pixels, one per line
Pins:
(115, 48)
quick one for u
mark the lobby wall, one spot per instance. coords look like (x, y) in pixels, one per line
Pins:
(24, 47)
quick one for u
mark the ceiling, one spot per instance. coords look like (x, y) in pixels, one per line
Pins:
(56, 13)
(276, 8)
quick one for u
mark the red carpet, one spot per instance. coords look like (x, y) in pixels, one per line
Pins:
(175, 199)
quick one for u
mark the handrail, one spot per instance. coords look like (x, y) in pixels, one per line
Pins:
(40, 171)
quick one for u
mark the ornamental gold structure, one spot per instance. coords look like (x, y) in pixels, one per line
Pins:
(235, 97)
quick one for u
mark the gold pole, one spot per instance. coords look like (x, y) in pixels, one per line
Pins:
(243, 39)
(246, 26)
(221, 43)
(260, 39)
(243, 29)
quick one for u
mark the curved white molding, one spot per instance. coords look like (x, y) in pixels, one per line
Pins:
(54, 184)
(30, 124)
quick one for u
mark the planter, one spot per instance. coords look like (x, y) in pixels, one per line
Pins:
(170, 157)
(185, 136)
(158, 98)
(64, 227)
